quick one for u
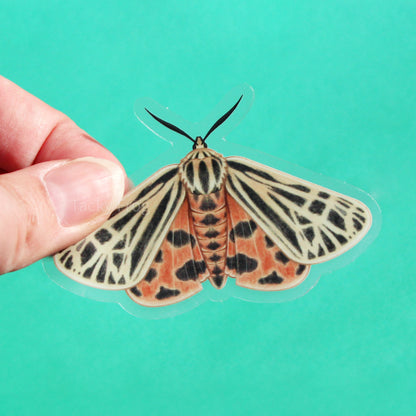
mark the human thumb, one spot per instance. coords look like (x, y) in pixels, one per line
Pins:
(49, 206)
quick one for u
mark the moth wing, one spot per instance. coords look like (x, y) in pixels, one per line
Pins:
(119, 254)
(254, 259)
(178, 268)
(311, 224)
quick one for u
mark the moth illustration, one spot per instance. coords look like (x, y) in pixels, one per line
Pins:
(213, 217)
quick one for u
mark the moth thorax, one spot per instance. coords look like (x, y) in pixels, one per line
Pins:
(203, 171)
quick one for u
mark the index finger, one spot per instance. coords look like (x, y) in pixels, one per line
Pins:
(31, 132)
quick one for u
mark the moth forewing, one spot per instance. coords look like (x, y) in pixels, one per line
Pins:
(120, 252)
(310, 223)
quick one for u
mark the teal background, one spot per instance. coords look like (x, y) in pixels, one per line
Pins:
(335, 92)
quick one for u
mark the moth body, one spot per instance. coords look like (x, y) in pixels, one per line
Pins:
(203, 173)
(209, 216)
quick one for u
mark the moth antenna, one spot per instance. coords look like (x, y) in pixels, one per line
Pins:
(222, 119)
(170, 126)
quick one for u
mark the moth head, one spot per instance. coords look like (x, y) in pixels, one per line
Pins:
(198, 142)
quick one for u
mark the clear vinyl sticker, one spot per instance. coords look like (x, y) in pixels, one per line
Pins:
(216, 220)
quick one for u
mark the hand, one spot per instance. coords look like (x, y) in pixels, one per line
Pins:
(57, 184)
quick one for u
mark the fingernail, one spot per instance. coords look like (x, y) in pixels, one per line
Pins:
(84, 188)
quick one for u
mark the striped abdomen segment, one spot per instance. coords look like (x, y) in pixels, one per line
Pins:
(209, 216)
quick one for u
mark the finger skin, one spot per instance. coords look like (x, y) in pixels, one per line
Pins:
(34, 138)
(30, 228)
(32, 132)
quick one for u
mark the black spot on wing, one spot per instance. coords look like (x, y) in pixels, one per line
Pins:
(248, 169)
(296, 199)
(122, 280)
(180, 238)
(339, 237)
(88, 272)
(357, 225)
(135, 291)
(345, 201)
(159, 257)
(88, 252)
(272, 278)
(317, 207)
(111, 280)
(302, 220)
(309, 233)
(244, 229)
(329, 244)
(102, 272)
(133, 230)
(280, 256)
(323, 195)
(302, 188)
(215, 257)
(117, 259)
(119, 224)
(151, 274)
(103, 235)
(343, 204)
(165, 293)
(242, 263)
(269, 243)
(300, 269)
(69, 263)
(190, 270)
(336, 219)
(120, 244)
(64, 256)
(360, 217)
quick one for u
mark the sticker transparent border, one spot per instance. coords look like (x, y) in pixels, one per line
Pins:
(180, 147)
